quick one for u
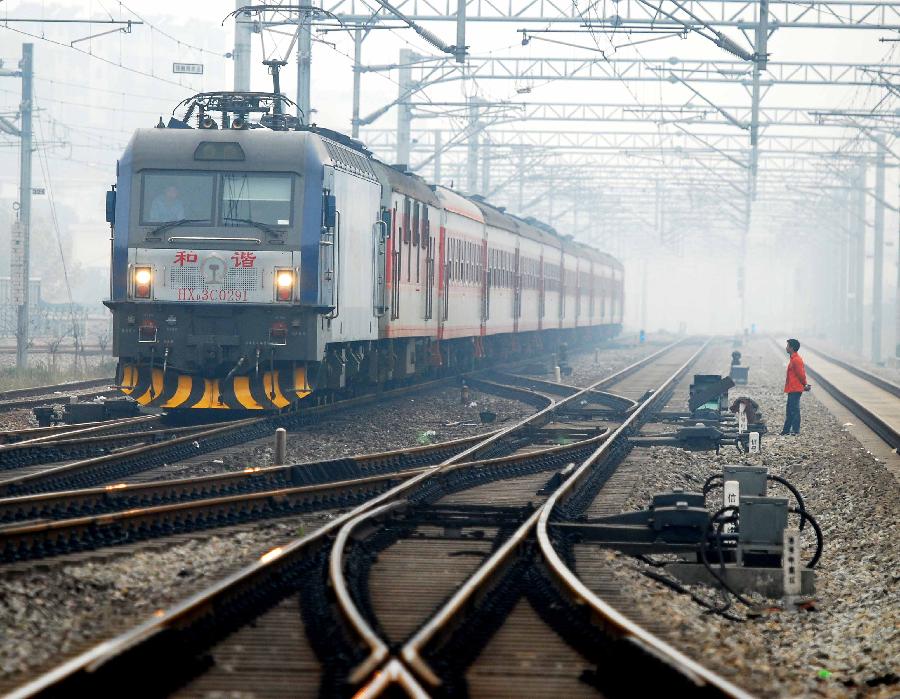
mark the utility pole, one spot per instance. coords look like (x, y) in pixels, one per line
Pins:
(472, 159)
(404, 109)
(859, 258)
(21, 238)
(878, 270)
(843, 268)
(304, 67)
(357, 75)
(241, 54)
(760, 58)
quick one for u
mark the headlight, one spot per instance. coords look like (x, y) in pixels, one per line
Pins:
(143, 279)
(284, 284)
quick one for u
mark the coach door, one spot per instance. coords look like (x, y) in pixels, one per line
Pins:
(485, 286)
(517, 290)
(443, 283)
(562, 287)
(428, 244)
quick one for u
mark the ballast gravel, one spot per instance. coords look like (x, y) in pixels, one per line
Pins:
(51, 614)
(430, 416)
(848, 644)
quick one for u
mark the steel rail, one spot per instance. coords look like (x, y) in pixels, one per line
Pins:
(880, 381)
(273, 570)
(412, 650)
(55, 504)
(100, 469)
(869, 418)
(55, 388)
(137, 523)
(611, 620)
(57, 474)
(347, 605)
(77, 431)
(15, 436)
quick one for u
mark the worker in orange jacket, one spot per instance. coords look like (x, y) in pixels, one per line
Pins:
(794, 385)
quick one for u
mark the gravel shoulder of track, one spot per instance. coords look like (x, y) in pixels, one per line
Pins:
(853, 633)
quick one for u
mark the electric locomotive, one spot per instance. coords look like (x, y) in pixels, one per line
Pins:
(254, 262)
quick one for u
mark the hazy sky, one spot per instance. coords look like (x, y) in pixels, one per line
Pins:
(90, 104)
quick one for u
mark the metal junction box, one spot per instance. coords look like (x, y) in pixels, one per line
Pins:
(751, 479)
(762, 525)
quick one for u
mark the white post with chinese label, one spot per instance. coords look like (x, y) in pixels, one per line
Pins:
(753, 447)
(731, 497)
(742, 419)
(790, 561)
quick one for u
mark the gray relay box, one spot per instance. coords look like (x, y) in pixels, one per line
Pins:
(751, 479)
(762, 525)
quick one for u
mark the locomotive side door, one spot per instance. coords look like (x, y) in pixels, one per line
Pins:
(396, 245)
(328, 241)
(382, 230)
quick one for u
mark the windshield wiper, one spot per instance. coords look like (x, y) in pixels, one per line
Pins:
(172, 224)
(250, 222)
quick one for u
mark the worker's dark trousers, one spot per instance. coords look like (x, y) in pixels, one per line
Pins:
(792, 418)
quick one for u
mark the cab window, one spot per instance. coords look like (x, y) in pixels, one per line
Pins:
(171, 196)
(259, 198)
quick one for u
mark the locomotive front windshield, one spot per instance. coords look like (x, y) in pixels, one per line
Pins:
(262, 198)
(226, 199)
(170, 196)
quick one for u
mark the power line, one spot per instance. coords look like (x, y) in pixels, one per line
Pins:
(136, 71)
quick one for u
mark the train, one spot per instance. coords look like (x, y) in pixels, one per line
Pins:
(257, 262)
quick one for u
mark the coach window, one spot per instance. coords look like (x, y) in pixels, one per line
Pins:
(259, 198)
(406, 219)
(415, 224)
(169, 196)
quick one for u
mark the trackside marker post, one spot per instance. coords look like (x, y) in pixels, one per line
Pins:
(731, 497)
(280, 446)
(754, 443)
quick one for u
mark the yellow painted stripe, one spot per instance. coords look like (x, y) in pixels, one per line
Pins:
(129, 379)
(210, 397)
(156, 386)
(270, 385)
(300, 382)
(182, 392)
(242, 393)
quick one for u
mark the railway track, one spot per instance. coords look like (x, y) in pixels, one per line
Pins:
(441, 505)
(64, 521)
(873, 399)
(19, 398)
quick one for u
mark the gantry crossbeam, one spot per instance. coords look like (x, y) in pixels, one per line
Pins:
(734, 144)
(823, 14)
(685, 113)
(643, 70)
